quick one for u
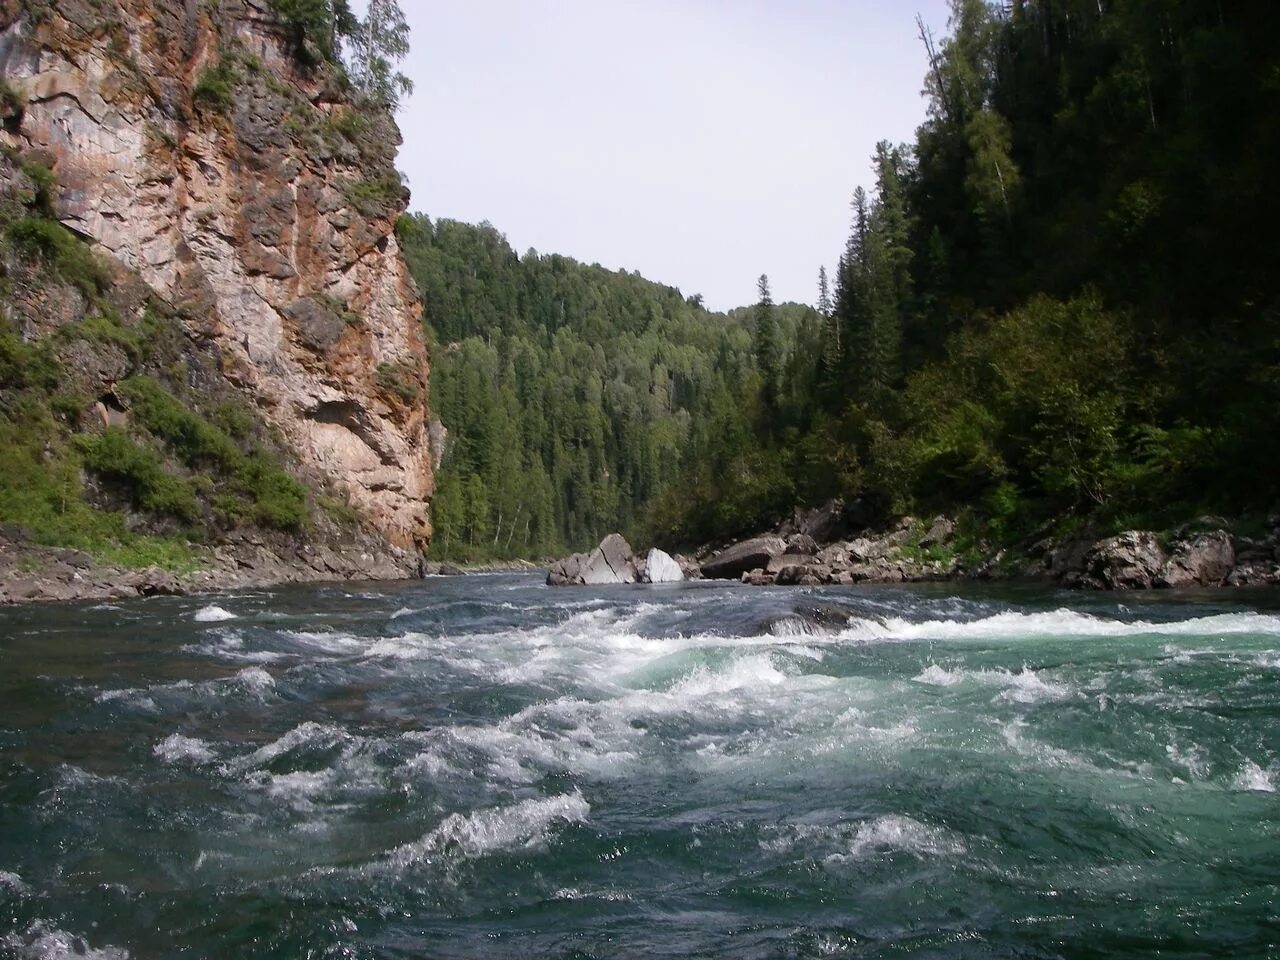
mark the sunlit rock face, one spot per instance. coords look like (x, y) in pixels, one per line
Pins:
(264, 209)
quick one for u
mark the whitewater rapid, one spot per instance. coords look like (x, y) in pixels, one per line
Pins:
(768, 770)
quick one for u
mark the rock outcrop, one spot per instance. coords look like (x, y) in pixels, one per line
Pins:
(188, 145)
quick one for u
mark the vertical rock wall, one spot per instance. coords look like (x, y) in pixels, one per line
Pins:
(189, 145)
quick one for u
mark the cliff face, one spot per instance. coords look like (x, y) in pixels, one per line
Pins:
(190, 145)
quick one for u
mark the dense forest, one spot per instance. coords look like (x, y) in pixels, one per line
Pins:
(575, 397)
(1057, 307)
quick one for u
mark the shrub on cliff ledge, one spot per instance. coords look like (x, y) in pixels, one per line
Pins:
(61, 249)
(216, 86)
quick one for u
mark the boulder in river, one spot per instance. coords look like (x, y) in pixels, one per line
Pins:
(1206, 560)
(660, 567)
(1131, 560)
(611, 562)
(734, 561)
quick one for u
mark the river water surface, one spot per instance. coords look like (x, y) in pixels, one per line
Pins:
(484, 767)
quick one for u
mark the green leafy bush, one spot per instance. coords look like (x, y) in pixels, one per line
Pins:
(194, 439)
(271, 496)
(141, 471)
(378, 196)
(25, 365)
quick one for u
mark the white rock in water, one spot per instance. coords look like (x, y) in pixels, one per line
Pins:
(212, 614)
(661, 568)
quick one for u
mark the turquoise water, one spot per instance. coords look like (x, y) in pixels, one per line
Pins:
(484, 767)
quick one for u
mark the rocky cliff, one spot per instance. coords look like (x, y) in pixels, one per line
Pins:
(191, 147)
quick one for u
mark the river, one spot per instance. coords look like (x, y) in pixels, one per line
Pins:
(485, 767)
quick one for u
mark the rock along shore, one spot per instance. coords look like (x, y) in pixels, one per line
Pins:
(32, 574)
(828, 546)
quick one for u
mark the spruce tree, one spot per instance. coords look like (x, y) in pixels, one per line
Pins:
(768, 346)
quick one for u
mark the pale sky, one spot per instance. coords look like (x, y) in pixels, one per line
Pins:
(701, 142)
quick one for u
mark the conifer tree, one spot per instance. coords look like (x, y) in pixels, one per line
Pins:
(768, 346)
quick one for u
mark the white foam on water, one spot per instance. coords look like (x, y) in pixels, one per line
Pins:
(11, 882)
(525, 825)
(1191, 759)
(124, 693)
(1042, 753)
(255, 680)
(937, 675)
(576, 893)
(1058, 623)
(754, 672)
(900, 834)
(799, 627)
(342, 644)
(213, 614)
(43, 941)
(1027, 686)
(308, 734)
(1023, 686)
(179, 749)
(1253, 778)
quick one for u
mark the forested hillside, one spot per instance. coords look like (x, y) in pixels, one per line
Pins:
(1061, 303)
(575, 397)
(1057, 307)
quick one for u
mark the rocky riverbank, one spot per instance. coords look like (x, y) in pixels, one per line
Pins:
(827, 545)
(830, 545)
(31, 574)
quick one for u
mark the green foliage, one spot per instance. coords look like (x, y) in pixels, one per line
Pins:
(196, 441)
(399, 379)
(215, 87)
(12, 103)
(40, 492)
(261, 492)
(381, 42)
(26, 366)
(61, 249)
(575, 397)
(141, 471)
(315, 27)
(45, 186)
(276, 499)
(379, 196)
(326, 31)
(106, 329)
